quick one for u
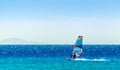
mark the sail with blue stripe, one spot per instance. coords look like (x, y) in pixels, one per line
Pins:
(77, 49)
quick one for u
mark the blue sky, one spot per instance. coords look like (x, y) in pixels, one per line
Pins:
(61, 21)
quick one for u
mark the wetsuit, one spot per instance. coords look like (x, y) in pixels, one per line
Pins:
(73, 56)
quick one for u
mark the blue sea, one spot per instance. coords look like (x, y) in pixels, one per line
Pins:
(56, 57)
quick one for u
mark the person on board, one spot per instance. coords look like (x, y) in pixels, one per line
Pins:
(73, 56)
(77, 48)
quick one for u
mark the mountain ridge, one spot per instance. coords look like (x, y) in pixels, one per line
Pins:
(17, 41)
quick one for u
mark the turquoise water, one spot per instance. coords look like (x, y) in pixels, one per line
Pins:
(30, 63)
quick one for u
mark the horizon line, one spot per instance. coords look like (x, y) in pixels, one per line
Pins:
(58, 44)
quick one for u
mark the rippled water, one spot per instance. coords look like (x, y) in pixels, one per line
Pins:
(54, 57)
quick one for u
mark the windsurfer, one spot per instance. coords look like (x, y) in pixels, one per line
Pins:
(77, 50)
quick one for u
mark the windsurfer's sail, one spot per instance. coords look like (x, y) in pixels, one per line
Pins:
(77, 49)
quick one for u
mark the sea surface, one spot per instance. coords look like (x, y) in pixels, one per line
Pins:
(56, 57)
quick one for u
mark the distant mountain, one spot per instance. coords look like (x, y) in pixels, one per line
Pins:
(17, 41)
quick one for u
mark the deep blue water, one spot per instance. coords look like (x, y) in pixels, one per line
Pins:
(53, 57)
(89, 51)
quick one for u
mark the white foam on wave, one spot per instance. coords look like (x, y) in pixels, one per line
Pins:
(85, 59)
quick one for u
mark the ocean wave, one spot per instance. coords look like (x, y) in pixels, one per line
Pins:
(85, 59)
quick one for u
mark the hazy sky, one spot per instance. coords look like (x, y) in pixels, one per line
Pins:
(61, 21)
